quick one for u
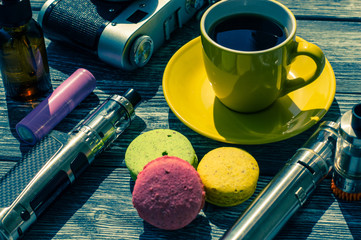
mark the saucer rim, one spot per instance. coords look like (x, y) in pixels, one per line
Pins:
(219, 137)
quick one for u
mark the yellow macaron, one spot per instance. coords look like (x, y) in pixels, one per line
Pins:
(229, 176)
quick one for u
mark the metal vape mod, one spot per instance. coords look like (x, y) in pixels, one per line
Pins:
(289, 189)
(347, 168)
(56, 161)
(122, 33)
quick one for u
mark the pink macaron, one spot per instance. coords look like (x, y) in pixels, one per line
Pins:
(168, 193)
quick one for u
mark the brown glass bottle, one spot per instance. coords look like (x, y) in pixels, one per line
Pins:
(23, 58)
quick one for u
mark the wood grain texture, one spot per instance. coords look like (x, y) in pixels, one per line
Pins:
(334, 9)
(98, 205)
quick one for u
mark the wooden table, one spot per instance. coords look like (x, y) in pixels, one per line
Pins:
(99, 204)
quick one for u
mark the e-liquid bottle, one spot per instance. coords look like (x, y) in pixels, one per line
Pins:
(23, 59)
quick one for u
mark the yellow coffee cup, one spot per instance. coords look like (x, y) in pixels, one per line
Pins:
(248, 46)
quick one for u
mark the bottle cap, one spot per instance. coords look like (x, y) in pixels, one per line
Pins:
(56, 106)
(14, 13)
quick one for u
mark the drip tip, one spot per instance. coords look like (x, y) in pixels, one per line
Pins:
(356, 118)
(132, 96)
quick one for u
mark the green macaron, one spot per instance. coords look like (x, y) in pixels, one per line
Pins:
(157, 143)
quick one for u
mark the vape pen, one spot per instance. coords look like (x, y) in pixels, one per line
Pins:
(290, 188)
(56, 161)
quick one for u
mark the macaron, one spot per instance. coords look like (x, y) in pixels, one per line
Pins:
(157, 143)
(168, 193)
(229, 176)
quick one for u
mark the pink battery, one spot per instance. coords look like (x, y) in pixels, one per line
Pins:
(42, 119)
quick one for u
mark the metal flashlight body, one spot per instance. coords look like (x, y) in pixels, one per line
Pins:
(289, 189)
(77, 150)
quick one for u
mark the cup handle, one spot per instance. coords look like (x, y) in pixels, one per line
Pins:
(316, 54)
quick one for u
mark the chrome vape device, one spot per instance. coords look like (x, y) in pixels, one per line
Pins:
(121, 33)
(347, 168)
(56, 161)
(289, 189)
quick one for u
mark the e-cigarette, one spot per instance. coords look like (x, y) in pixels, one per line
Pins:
(56, 161)
(290, 188)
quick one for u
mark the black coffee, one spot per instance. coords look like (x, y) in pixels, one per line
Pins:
(247, 32)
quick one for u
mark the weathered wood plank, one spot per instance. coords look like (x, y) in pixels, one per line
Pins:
(325, 9)
(349, 9)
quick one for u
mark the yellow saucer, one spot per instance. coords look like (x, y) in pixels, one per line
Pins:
(190, 96)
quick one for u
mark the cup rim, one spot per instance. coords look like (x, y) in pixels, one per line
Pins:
(209, 39)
